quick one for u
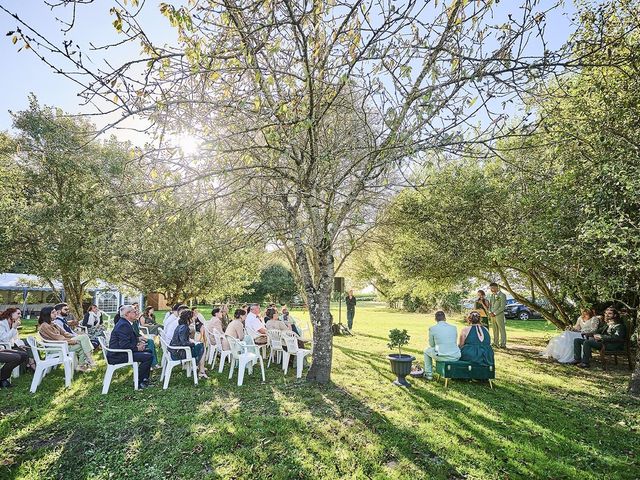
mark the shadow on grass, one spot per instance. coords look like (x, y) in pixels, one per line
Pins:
(288, 429)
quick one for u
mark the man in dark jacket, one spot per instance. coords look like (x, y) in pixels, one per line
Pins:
(350, 300)
(612, 334)
(124, 337)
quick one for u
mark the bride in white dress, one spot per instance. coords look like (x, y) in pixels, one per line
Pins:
(561, 346)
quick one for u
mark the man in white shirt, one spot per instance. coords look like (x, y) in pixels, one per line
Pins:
(443, 344)
(171, 322)
(256, 326)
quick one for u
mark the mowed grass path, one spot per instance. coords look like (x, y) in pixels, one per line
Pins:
(542, 420)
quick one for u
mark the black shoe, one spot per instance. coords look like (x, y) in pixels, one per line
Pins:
(583, 365)
(5, 384)
(143, 385)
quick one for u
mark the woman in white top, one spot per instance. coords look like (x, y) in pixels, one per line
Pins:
(561, 346)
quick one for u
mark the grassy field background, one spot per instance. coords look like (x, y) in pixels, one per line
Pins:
(542, 420)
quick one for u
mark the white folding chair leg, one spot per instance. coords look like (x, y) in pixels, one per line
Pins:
(262, 370)
(194, 371)
(213, 355)
(299, 365)
(107, 379)
(135, 375)
(167, 375)
(285, 361)
(68, 373)
(233, 364)
(37, 378)
(15, 373)
(223, 358)
(241, 368)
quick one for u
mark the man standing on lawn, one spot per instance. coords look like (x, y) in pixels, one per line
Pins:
(497, 305)
(350, 300)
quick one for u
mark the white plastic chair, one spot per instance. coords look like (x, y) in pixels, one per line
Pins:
(306, 332)
(168, 363)
(56, 348)
(243, 358)
(113, 367)
(275, 346)
(291, 341)
(253, 334)
(81, 330)
(43, 366)
(224, 354)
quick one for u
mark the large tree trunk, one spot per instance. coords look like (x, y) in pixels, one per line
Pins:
(319, 310)
(74, 292)
(318, 283)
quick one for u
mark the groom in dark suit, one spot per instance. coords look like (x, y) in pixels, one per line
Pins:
(124, 337)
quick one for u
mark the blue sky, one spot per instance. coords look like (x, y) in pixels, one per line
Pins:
(26, 73)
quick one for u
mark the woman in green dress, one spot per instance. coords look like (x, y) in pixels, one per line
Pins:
(475, 342)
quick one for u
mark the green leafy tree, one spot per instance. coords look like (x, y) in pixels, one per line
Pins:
(185, 252)
(68, 206)
(276, 284)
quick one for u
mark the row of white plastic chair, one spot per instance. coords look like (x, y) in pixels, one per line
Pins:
(276, 339)
(244, 355)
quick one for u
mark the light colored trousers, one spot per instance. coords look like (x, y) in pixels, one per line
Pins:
(430, 353)
(83, 349)
(498, 330)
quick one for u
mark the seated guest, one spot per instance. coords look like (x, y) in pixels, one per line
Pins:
(288, 320)
(93, 321)
(60, 319)
(612, 332)
(148, 321)
(171, 322)
(66, 316)
(475, 342)
(124, 337)
(150, 344)
(224, 308)
(11, 359)
(442, 344)
(50, 331)
(181, 339)
(273, 322)
(9, 323)
(62, 312)
(235, 328)
(116, 317)
(198, 318)
(560, 347)
(255, 324)
(215, 323)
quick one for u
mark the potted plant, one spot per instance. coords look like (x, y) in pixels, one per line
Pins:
(400, 363)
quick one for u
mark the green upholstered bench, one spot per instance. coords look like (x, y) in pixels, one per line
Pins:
(461, 369)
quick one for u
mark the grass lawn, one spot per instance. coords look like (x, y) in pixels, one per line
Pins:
(543, 420)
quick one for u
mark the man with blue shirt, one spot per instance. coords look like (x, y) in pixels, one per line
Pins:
(443, 344)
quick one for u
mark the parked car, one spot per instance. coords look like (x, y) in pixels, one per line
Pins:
(521, 312)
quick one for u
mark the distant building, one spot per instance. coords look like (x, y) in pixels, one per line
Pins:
(31, 293)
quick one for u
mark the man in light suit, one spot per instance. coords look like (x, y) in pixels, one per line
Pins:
(443, 344)
(497, 305)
